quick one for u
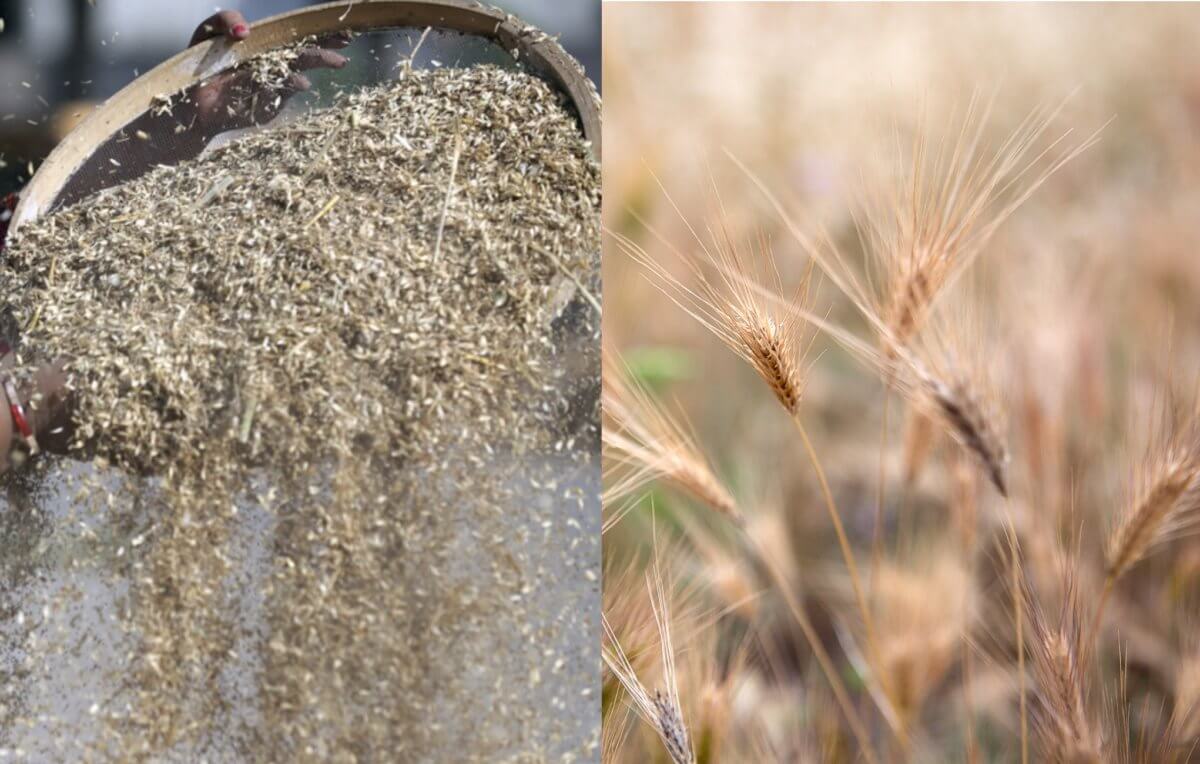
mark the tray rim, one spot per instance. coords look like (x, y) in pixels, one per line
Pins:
(542, 53)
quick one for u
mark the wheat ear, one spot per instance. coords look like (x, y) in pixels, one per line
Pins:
(1152, 519)
(643, 442)
(773, 340)
(1064, 729)
(661, 709)
(969, 422)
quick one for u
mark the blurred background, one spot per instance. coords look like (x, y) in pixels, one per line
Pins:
(58, 57)
(1089, 298)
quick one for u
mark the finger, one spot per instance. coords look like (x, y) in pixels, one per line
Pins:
(231, 24)
(296, 83)
(336, 41)
(318, 58)
(270, 103)
(211, 98)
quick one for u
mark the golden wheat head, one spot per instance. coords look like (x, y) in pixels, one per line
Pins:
(727, 299)
(1065, 730)
(1163, 495)
(1153, 517)
(660, 708)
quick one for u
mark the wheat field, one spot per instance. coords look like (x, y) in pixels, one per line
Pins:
(902, 353)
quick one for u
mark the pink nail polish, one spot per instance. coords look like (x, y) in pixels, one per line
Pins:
(240, 31)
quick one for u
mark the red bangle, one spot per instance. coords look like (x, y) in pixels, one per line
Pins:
(18, 416)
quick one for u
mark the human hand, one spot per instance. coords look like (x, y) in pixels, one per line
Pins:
(234, 100)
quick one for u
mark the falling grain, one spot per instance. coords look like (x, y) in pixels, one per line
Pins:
(368, 386)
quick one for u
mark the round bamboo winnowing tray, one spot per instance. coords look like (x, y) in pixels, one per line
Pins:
(535, 51)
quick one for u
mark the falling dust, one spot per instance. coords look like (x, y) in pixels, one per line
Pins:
(335, 389)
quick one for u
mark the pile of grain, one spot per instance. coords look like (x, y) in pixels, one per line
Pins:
(351, 329)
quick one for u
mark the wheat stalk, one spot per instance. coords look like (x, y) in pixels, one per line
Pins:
(774, 339)
(923, 233)
(614, 735)
(821, 655)
(769, 333)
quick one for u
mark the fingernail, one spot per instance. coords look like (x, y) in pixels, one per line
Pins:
(240, 31)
